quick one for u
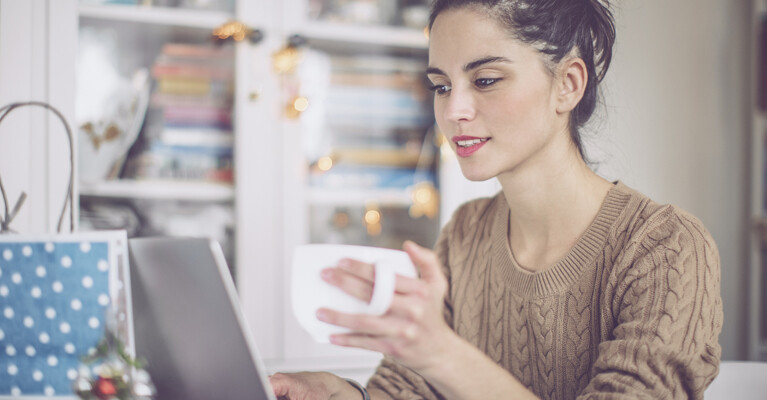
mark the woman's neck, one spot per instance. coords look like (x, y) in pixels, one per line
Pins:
(551, 208)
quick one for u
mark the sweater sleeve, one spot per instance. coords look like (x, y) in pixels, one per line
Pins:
(663, 301)
(398, 381)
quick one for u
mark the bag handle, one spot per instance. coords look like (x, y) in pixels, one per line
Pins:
(70, 198)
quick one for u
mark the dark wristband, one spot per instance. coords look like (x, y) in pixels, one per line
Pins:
(365, 395)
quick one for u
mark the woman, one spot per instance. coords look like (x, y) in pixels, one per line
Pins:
(564, 285)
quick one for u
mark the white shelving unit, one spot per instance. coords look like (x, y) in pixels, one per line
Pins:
(757, 284)
(381, 36)
(159, 190)
(271, 202)
(202, 19)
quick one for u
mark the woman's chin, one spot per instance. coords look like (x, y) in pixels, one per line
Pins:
(476, 176)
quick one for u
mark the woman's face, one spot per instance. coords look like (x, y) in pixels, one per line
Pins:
(494, 97)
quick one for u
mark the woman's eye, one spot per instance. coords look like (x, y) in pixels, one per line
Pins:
(440, 89)
(485, 82)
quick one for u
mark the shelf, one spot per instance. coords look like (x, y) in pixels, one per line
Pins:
(159, 190)
(389, 197)
(379, 36)
(165, 16)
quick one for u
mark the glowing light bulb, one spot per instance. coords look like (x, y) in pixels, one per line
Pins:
(372, 217)
(325, 163)
(301, 103)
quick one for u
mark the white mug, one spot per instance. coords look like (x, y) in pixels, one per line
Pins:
(310, 292)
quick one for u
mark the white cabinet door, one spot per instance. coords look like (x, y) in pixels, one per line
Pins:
(38, 39)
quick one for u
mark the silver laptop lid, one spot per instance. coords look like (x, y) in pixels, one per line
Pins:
(188, 323)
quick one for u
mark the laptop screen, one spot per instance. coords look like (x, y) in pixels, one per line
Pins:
(188, 324)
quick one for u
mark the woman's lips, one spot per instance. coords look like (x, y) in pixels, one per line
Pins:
(468, 145)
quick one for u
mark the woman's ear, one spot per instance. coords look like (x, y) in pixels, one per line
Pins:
(573, 78)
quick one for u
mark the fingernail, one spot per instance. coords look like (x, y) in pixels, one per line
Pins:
(322, 315)
(344, 262)
(327, 274)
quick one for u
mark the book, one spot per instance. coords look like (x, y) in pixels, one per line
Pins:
(197, 51)
(392, 157)
(192, 86)
(197, 116)
(187, 69)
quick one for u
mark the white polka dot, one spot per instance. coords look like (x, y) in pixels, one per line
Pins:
(16, 278)
(8, 312)
(2, 334)
(10, 350)
(103, 299)
(77, 304)
(8, 255)
(37, 375)
(103, 265)
(66, 261)
(50, 313)
(44, 338)
(57, 287)
(27, 251)
(65, 327)
(69, 348)
(87, 282)
(13, 370)
(36, 292)
(91, 351)
(15, 391)
(94, 322)
(49, 391)
(1, 272)
(4, 291)
(40, 271)
(85, 247)
(49, 247)
(53, 361)
(72, 374)
(31, 351)
(29, 322)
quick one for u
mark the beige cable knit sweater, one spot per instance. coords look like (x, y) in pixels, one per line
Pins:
(632, 311)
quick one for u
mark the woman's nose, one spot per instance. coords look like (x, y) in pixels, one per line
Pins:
(459, 106)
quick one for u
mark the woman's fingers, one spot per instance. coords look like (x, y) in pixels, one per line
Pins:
(359, 282)
(366, 324)
(349, 283)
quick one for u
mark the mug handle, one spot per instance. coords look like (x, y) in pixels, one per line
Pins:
(383, 289)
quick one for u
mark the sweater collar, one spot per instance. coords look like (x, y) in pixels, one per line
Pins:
(565, 271)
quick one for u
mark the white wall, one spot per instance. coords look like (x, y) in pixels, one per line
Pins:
(676, 100)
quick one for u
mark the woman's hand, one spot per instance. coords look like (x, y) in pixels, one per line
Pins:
(312, 386)
(413, 331)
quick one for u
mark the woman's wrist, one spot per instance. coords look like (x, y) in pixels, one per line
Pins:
(361, 389)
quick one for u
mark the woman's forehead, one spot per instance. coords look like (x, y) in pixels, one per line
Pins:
(460, 36)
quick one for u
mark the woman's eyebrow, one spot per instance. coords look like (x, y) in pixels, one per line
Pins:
(470, 66)
(482, 61)
(434, 71)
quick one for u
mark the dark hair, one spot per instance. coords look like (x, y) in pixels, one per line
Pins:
(555, 28)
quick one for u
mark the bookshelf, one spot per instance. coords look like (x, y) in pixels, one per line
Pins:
(758, 247)
(274, 196)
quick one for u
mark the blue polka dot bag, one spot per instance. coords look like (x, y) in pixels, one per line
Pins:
(58, 293)
(56, 296)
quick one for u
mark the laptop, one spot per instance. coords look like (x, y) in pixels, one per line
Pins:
(188, 324)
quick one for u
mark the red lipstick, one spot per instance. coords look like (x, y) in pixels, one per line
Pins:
(468, 145)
